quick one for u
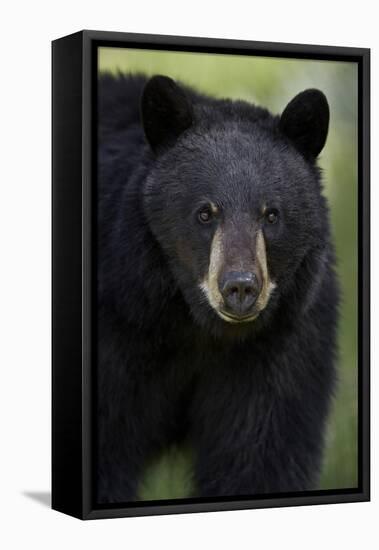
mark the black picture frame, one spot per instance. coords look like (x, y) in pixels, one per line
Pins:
(74, 75)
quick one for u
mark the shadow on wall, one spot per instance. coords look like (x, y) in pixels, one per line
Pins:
(41, 497)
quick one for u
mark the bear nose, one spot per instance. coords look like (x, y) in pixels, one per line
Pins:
(240, 290)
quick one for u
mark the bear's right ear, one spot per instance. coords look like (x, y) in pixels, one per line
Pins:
(166, 111)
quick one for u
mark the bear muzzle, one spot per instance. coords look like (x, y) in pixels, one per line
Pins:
(240, 291)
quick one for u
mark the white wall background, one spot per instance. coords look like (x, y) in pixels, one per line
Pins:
(26, 31)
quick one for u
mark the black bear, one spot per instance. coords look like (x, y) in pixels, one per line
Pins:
(217, 295)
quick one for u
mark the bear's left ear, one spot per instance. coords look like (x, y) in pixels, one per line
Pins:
(305, 121)
(166, 111)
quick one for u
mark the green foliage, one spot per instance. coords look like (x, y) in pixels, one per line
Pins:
(170, 476)
(272, 83)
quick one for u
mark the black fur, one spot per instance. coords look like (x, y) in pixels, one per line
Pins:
(251, 399)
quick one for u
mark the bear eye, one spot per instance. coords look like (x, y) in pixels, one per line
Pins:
(205, 214)
(272, 216)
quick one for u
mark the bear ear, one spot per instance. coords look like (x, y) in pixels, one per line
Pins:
(166, 111)
(305, 122)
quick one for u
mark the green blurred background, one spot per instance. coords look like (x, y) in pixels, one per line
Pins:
(272, 82)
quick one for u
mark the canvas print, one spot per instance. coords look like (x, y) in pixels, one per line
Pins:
(226, 269)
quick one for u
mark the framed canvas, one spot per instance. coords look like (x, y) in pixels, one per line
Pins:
(210, 275)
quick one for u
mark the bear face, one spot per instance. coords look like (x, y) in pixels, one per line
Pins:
(234, 199)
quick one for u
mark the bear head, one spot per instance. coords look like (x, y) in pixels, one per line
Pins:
(234, 199)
